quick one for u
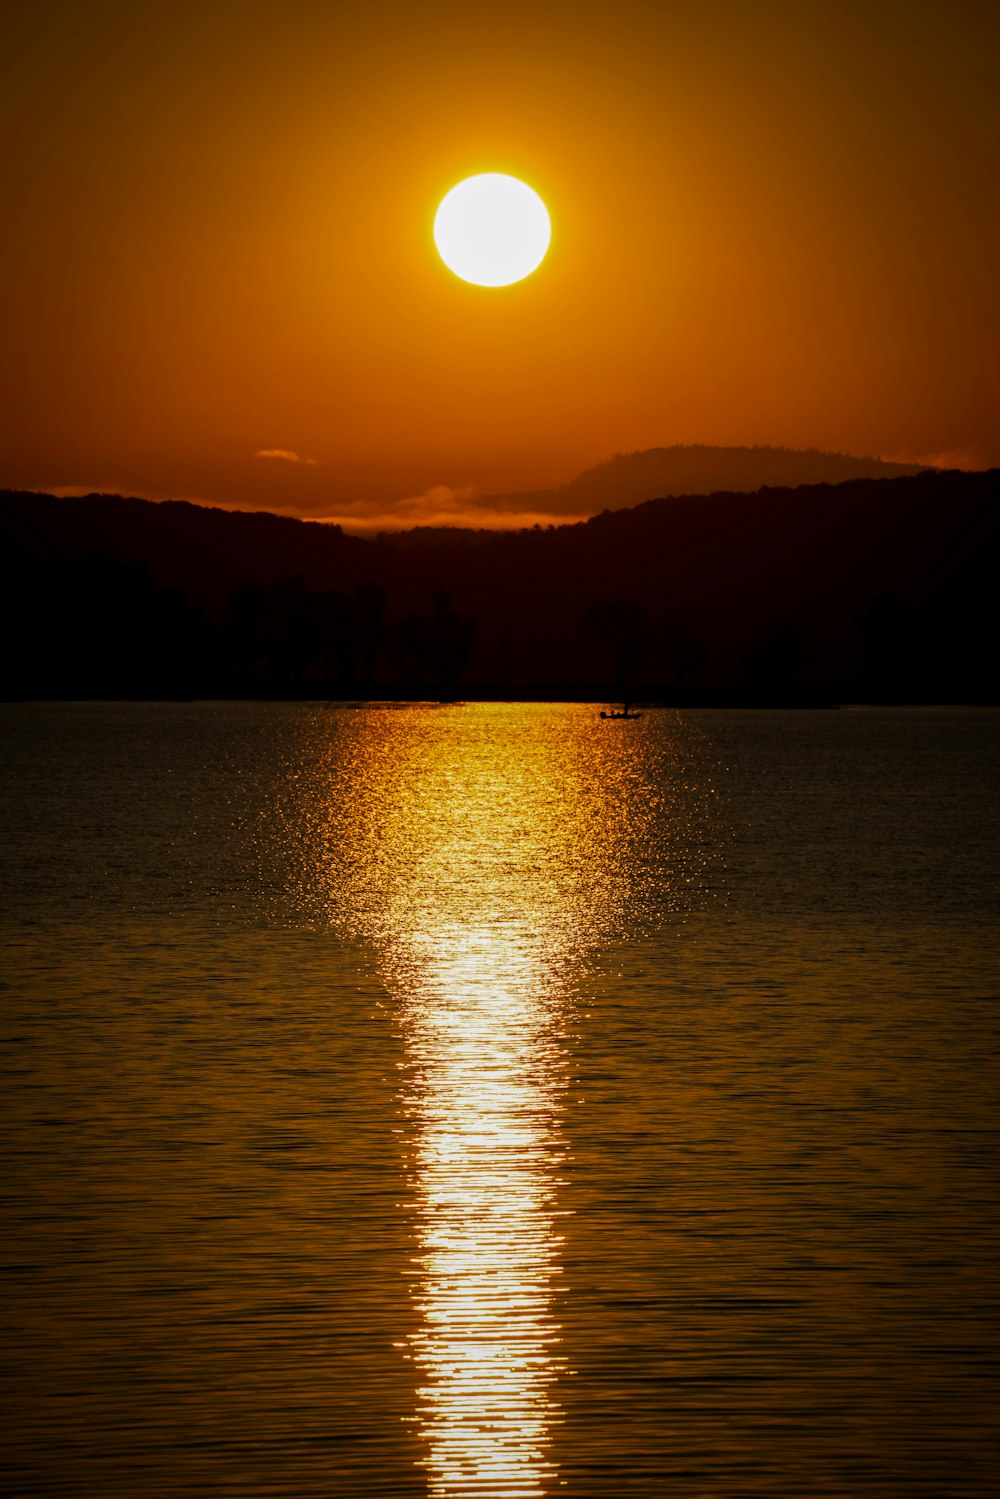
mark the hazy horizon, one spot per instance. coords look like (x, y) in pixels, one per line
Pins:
(621, 481)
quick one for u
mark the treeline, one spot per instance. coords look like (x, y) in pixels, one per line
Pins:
(945, 649)
(289, 638)
(98, 628)
(869, 590)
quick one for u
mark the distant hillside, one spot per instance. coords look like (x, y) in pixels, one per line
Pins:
(871, 588)
(630, 478)
(206, 552)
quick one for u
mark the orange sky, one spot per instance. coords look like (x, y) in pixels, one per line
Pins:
(772, 223)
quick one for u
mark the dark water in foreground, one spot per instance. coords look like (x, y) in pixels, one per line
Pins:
(485, 1100)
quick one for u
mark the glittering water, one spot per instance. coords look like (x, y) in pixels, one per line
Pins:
(488, 1100)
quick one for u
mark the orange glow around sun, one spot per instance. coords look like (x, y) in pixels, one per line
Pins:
(220, 243)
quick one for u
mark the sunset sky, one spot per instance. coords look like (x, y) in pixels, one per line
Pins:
(773, 223)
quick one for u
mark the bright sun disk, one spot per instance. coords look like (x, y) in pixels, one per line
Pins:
(492, 229)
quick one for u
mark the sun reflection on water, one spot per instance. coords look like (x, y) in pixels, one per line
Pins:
(485, 851)
(484, 911)
(484, 1097)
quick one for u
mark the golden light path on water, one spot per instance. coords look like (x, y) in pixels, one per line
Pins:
(485, 1102)
(489, 846)
(481, 926)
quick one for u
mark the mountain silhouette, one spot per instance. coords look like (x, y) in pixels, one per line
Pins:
(629, 478)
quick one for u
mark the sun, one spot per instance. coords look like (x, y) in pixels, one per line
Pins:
(492, 229)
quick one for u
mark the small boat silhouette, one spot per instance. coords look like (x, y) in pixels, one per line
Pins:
(623, 712)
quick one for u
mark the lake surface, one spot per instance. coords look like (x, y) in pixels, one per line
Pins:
(487, 1100)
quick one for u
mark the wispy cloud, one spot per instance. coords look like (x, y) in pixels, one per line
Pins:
(963, 458)
(441, 505)
(287, 456)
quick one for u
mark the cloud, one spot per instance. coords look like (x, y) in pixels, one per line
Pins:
(962, 458)
(287, 456)
(441, 505)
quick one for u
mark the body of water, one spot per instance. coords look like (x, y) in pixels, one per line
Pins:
(488, 1100)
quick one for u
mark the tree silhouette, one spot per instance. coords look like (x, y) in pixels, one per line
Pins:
(370, 608)
(885, 630)
(451, 640)
(623, 631)
(772, 660)
(335, 635)
(298, 630)
(435, 646)
(406, 646)
(249, 629)
(683, 649)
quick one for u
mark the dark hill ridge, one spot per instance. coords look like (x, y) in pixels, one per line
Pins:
(883, 586)
(205, 551)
